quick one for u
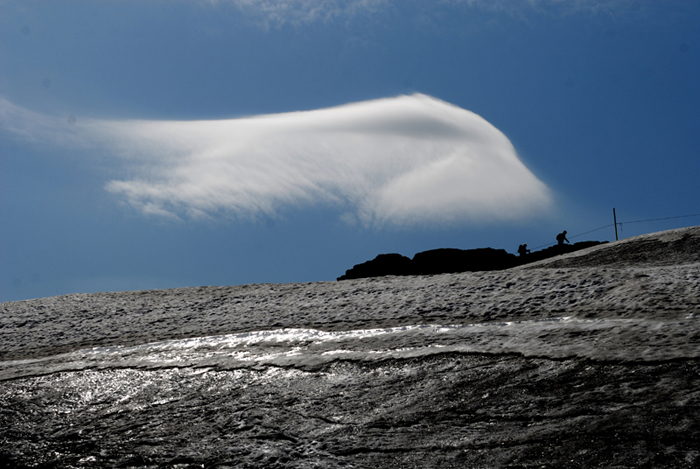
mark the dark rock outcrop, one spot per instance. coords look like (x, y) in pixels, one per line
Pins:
(449, 260)
(556, 250)
(383, 264)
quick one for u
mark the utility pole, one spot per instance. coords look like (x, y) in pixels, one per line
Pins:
(615, 221)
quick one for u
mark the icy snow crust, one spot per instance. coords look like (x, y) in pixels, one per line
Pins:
(586, 360)
(599, 339)
(644, 312)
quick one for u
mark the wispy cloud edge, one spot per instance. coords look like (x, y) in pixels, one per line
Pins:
(272, 13)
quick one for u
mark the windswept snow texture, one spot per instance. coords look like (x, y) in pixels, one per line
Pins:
(591, 359)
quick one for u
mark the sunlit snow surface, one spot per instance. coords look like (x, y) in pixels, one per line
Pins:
(589, 360)
(566, 337)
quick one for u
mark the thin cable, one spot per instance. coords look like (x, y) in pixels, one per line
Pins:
(658, 219)
(544, 245)
(597, 229)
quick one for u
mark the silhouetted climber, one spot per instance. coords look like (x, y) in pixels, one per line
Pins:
(522, 250)
(561, 237)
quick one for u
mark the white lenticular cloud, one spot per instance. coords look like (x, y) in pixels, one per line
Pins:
(405, 160)
(409, 160)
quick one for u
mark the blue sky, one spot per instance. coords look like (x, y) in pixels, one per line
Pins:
(158, 144)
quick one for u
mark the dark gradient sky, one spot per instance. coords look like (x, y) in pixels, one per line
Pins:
(600, 100)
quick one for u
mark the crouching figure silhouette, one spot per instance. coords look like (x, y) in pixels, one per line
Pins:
(561, 237)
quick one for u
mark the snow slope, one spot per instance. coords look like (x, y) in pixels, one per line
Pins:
(585, 360)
